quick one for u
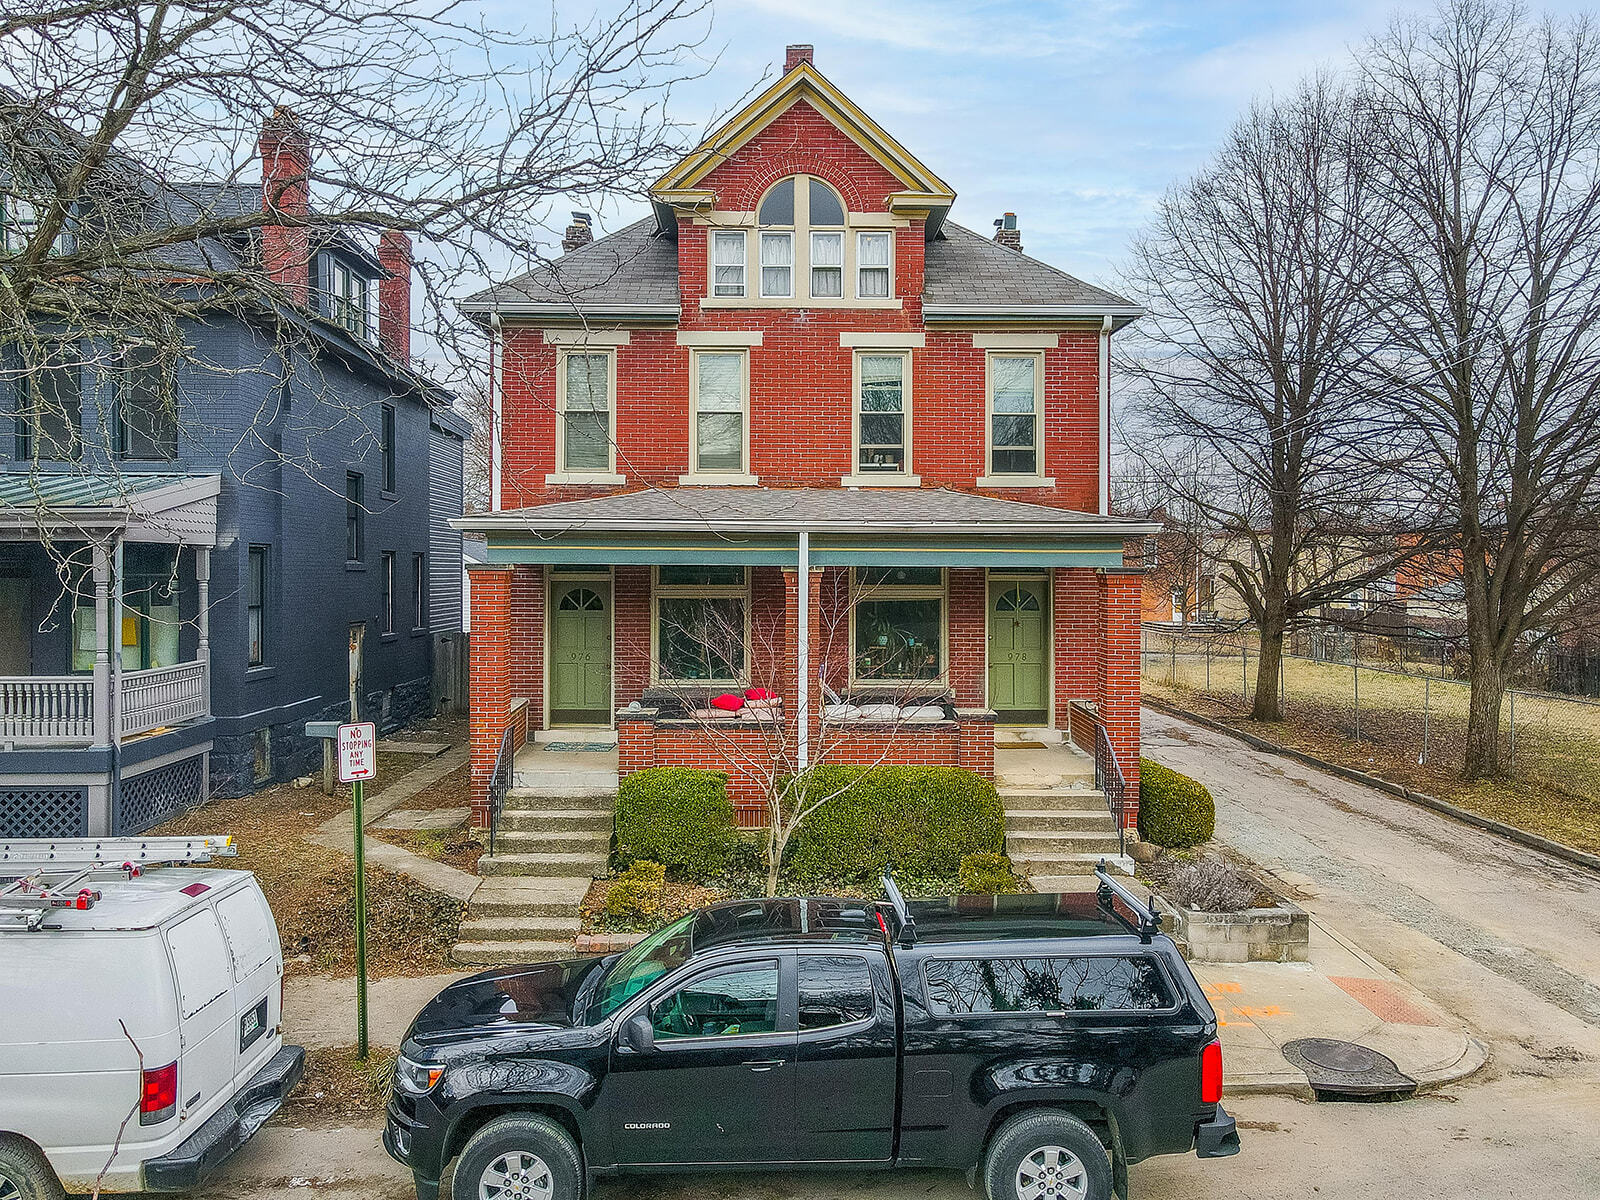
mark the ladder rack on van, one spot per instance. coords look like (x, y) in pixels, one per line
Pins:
(41, 875)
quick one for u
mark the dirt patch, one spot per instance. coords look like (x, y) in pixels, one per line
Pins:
(453, 791)
(339, 1089)
(677, 900)
(456, 848)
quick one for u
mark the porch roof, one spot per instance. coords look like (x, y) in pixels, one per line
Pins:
(757, 526)
(142, 508)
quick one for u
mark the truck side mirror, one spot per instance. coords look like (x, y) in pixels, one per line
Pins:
(637, 1034)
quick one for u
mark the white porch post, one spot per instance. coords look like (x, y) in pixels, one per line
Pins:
(116, 644)
(803, 649)
(202, 577)
(102, 639)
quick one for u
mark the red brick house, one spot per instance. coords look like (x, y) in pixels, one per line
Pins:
(799, 401)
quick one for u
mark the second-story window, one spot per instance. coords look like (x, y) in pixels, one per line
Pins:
(872, 265)
(347, 298)
(388, 591)
(881, 414)
(585, 404)
(1014, 414)
(777, 264)
(256, 607)
(146, 416)
(719, 411)
(19, 221)
(49, 417)
(355, 519)
(388, 448)
(728, 262)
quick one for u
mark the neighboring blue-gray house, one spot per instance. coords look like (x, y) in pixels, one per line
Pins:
(199, 552)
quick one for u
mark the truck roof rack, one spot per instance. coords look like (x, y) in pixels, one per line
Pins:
(41, 875)
(906, 925)
(1145, 921)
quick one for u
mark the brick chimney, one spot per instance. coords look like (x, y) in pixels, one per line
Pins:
(394, 295)
(579, 233)
(793, 56)
(1007, 233)
(286, 192)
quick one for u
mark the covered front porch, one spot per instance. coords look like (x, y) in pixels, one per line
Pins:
(105, 696)
(750, 629)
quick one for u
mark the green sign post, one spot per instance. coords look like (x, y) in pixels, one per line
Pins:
(358, 762)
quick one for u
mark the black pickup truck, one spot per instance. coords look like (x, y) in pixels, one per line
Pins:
(1039, 1042)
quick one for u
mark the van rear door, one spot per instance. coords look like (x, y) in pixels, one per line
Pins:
(252, 937)
(204, 972)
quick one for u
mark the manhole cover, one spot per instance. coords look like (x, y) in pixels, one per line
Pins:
(1346, 1069)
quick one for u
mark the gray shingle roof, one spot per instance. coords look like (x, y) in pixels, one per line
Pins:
(777, 509)
(634, 267)
(966, 268)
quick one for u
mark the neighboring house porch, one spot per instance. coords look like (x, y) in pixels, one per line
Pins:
(927, 618)
(105, 679)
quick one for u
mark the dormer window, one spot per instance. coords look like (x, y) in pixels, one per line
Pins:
(347, 298)
(19, 220)
(804, 249)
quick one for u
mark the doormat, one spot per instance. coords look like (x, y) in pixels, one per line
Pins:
(1020, 746)
(580, 747)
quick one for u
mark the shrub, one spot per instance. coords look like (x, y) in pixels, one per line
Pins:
(679, 817)
(1174, 810)
(1207, 883)
(636, 893)
(987, 875)
(916, 820)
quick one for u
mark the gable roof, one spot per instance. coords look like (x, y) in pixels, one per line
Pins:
(967, 277)
(925, 193)
(630, 273)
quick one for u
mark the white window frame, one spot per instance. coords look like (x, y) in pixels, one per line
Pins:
(695, 469)
(861, 236)
(860, 594)
(689, 591)
(564, 471)
(857, 470)
(1037, 476)
(793, 268)
(349, 292)
(743, 286)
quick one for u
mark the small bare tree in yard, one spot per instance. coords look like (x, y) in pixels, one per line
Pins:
(1250, 407)
(718, 638)
(1483, 148)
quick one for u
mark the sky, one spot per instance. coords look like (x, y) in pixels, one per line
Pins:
(1076, 116)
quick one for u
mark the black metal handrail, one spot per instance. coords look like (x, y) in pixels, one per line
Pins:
(499, 785)
(1108, 779)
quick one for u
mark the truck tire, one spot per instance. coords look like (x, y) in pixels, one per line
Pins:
(524, 1157)
(24, 1173)
(1046, 1155)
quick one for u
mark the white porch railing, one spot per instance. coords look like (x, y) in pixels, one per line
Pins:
(162, 696)
(47, 709)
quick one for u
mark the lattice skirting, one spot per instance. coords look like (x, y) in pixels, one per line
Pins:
(43, 811)
(151, 798)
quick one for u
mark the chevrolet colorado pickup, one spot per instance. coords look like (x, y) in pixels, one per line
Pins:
(1039, 1042)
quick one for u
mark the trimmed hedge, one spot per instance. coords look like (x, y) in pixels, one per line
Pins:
(915, 820)
(1174, 810)
(677, 816)
(636, 893)
(987, 875)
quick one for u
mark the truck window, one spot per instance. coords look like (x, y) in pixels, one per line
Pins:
(200, 958)
(834, 990)
(1078, 983)
(736, 999)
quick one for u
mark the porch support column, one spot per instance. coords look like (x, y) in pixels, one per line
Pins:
(527, 640)
(102, 644)
(1074, 643)
(202, 579)
(489, 677)
(803, 594)
(1120, 595)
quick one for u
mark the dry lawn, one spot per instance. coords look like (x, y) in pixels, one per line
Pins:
(339, 1089)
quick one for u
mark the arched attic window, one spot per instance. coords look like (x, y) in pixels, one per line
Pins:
(802, 212)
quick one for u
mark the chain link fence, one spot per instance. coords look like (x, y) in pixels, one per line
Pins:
(1403, 698)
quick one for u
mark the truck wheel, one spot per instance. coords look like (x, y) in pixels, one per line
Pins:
(24, 1174)
(519, 1158)
(1046, 1156)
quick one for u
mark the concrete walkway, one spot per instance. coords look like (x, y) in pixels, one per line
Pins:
(320, 1010)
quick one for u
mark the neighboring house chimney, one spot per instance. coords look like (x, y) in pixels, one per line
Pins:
(793, 56)
(394, 295)
(579, 233)
(1007, 233)
(286, 192)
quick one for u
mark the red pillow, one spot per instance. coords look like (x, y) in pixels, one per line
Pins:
(760, 694)
(728, 702)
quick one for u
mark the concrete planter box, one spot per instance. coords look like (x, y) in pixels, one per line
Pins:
(1281, 933)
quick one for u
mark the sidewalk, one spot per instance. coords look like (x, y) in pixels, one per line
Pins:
(1342, 994)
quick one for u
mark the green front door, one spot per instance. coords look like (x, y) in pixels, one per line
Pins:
(1017, 645)
(580, 652)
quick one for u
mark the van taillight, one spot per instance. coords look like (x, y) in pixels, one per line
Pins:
(1211, 1074)
(158, 1099)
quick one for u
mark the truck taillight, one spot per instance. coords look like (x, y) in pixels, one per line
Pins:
(1211, 1073)
(158, 1096)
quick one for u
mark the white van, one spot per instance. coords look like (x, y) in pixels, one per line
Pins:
(155, 1012)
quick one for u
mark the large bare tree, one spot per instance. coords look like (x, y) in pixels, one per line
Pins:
(1249, 408)
(1482, 134)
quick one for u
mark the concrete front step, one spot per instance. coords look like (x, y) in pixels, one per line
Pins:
(595, 820)
(523, 794)
(1045, 845)
(544, 863)
(557, 841)
(494, 954)
(519, 929)
(1045, 820)
(1055, 799)
(1040, 867)
(543, 781)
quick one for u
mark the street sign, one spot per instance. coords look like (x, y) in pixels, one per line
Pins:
(358, 751)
